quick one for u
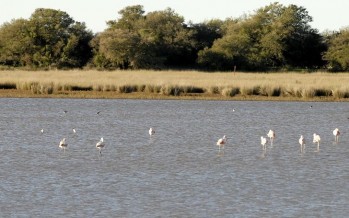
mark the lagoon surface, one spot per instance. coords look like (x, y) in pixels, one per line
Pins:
(178, 172)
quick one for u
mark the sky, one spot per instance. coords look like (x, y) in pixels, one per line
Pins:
(327, 15)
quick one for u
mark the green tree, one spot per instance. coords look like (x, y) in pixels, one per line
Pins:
(15, 43)
(203, 36)
(206, 33)
(121, 44)
(274, 36)
(337, 55)
(50, 38)
(231, 50)
(154, 40)
(77, 50)
(122, 48)
(58, 40)
(303, 44)
(168, 38)
(130, 17)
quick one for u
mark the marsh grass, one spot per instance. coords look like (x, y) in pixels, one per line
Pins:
(180, 83)
(8, 86)
(230, 91)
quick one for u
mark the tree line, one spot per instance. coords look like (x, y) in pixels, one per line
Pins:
(274, 37)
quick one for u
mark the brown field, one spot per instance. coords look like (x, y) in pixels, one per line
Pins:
(176, 85)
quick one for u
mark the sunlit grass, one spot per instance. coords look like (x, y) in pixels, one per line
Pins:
(178, 83)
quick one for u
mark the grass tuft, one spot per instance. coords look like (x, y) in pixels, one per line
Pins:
(230, 91)
(8, 85)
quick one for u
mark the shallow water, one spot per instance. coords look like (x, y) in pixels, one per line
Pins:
(179, 172)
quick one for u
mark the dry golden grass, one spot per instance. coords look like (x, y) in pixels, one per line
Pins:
(175, 83)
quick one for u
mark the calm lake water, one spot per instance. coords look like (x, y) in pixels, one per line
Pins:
(179, 172)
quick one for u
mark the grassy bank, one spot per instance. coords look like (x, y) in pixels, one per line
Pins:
(175, 84)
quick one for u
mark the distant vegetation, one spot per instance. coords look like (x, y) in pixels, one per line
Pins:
(273, 38)
(163, 84)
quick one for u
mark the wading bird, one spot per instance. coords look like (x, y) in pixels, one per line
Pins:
(221, 142)
(74, 131)
(42, 130)
(100, 145)
(63, 145)
(317, 139)
(336, 134)
(271, 135)
(151, 131)
(302, 143)
(263, 142)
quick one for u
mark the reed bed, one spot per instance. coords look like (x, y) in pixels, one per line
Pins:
(181, 83)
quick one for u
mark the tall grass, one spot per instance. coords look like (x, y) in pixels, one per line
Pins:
(177, 83)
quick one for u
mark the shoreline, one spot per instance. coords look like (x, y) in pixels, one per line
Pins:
(176, 85)
(14, 93)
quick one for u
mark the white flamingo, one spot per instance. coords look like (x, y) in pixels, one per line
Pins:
(302, 143)
(271, 135)
(100, 145)
(336, 134)
(221, 142)
(263, 142)
(63, 145)
(151, 131)
(317, 139)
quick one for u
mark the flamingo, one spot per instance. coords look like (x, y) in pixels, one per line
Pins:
(151, 131)
(100, 145)
(74, 131)
(316, 139)
(63, 145)
(271, 135)
(263, 142)
(221, 142)
(336, 134)
(302, 143)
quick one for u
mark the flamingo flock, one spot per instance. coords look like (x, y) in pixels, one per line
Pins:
(100, 144)
(301, 140)
(221, 142)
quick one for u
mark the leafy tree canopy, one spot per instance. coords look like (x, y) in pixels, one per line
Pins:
(157, 39)
(338, 51)
(50, 38)
(266, 39)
